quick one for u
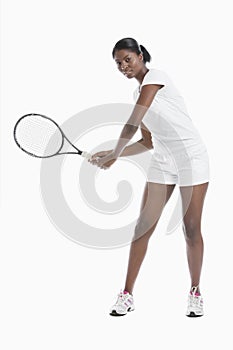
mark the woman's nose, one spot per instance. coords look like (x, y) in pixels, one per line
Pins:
(123, 67)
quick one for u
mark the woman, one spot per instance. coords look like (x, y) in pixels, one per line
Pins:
(179, 158)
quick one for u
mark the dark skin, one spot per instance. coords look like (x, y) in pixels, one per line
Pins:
(155, 195)
(131, 65)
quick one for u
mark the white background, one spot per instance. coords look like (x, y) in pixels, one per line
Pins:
(56, 59)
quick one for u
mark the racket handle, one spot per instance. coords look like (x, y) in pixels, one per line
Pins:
(86, 155)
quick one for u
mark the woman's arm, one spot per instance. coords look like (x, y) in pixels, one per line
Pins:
(143, 145)
(143, 103)
(136, 148)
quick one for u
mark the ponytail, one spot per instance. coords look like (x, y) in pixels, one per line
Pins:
(146, 55)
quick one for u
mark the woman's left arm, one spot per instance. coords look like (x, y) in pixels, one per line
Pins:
(144, 101)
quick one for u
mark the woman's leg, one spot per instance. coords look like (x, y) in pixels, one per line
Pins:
(193, 201)
(154, 200)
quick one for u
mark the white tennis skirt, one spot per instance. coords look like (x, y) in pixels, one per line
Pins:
(179, 168)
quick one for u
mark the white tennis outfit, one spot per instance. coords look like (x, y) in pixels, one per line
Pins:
(180, 156)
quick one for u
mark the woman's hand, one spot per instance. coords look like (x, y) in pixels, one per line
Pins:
(103, 159)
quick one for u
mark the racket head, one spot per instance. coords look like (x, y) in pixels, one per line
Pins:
(38, 135)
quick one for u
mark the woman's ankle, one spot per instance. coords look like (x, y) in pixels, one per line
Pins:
(127, 290)
(195, 289)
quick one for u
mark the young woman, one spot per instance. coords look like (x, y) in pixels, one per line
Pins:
(179, 158)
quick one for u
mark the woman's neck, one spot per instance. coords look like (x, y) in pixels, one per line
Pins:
(142, 74)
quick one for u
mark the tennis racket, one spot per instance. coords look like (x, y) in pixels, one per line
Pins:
(41, 137)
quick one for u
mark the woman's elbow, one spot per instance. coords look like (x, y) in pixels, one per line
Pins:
(129, 130)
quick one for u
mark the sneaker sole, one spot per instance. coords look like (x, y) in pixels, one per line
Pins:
(114, 313)
(192, 314)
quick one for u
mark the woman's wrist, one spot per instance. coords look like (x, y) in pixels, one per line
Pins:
(116, 153)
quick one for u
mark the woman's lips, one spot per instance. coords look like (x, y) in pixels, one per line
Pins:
(127, 72)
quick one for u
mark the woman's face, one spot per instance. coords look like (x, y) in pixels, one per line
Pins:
(129, 63)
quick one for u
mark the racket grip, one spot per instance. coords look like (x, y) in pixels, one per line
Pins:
(86, 155)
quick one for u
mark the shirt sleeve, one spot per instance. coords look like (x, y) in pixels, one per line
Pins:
(156, 77)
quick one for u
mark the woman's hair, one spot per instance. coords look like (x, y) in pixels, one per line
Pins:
(131, 45)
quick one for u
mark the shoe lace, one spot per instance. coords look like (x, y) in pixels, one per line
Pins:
(121, 298)
(194, 300)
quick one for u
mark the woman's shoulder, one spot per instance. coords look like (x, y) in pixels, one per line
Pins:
(157, 72)
(155, 75)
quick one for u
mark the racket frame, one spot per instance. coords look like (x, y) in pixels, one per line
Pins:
(79, 152)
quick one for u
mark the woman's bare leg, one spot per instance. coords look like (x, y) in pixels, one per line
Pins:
(193, 201)
(154, 200)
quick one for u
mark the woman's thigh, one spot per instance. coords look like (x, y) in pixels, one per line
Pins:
(154, 199)
(192, 205)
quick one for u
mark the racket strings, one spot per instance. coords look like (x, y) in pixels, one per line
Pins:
(39, 136)
(36, 135)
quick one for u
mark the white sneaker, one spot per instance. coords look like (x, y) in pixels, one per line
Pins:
(123, 305)
(195, 304)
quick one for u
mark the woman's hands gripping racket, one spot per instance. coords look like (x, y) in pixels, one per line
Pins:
(103, 159)
(41, 137)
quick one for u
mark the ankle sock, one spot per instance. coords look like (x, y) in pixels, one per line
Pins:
(125, 292)
(195, 290)
(197, 293)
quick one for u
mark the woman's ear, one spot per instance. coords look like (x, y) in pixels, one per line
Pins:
(140, 57)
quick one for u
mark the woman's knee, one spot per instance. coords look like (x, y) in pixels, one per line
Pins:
(144, 228)
(192, 231)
